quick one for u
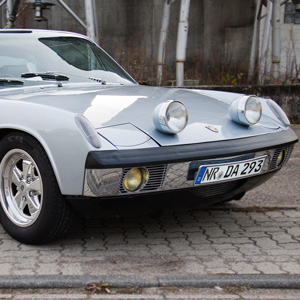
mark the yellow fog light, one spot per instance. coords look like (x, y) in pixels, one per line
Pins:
(281, 157)
(135, 179)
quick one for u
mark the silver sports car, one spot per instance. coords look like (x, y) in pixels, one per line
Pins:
(77, 130)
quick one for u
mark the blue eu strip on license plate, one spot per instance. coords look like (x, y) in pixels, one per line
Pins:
(229, 171)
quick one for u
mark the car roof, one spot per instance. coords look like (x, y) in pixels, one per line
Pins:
(36, 33)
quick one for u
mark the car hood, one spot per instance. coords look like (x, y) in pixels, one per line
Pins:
(125, 112)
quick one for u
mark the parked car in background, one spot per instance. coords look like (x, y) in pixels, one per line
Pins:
(76, 129)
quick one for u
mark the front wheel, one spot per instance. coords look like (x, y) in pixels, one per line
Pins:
(32, 208)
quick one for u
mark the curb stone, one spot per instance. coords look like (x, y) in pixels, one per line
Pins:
(207, 281)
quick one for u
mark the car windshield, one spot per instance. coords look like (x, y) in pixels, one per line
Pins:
(75, 58)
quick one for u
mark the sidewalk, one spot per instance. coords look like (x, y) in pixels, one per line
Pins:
(156, 294)
(254, 242)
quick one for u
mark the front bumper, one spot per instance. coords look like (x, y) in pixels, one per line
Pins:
(173, 168)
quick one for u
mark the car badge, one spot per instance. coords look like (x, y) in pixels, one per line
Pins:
(212, 128)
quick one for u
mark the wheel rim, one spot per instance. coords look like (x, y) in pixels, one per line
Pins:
(21, 188)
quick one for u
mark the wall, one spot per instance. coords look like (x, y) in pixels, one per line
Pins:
(290, 52)
(287, 96)
(125, 25)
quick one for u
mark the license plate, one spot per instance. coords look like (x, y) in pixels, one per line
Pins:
(229, 171)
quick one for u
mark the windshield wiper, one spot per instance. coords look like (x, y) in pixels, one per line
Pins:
(46, 76)
(10, 81)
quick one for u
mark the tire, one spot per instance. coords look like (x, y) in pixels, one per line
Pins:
(32, 209)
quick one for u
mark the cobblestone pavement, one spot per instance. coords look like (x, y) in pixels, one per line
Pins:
(197, 242)
(258, 235)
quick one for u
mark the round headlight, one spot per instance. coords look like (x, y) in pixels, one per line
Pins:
(253, 110)
(246, 110)
(135, 179)
(278, 112)
(170, 117)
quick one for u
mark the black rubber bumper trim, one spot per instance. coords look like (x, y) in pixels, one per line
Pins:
(190, 152)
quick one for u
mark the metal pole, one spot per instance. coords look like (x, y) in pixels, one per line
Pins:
(183, 28)
(70, 11)
(13, 14)
(276, 48)
(3, 20)
(90, 23)
(253, 54)
(2, 2)
(9, 8)
(96, 21)
(161, 57)
(265, 41)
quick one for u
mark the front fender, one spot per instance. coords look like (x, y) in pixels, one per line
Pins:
(59, 135)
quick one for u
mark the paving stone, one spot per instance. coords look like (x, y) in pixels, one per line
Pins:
(219, 271)
(48, 269)
(268, 268)
(275, 214)
(295, 213)
(129, 248)
(290, 267)
(193, 229)
(283, 238)
(269, 258)
(6, 268)
(229, 240)
(232, 255)
(292, 246)
(294, 231)
(164, 235)
(9, 254)
(249, 249)
(9, 245)
(160, 249)
(286, 224)
(179, 244)
(215, 263)
(223, 247)
(114, 241)
(26, 272)
(256, 234)
(266, 243)
(154, 241)
(203, 253)
(71, 268)
(93, 244)
(260, 217)
(215, 232)
(198, 239)
(243, 268)
(279, 252)
(231, 227)
(201, 246)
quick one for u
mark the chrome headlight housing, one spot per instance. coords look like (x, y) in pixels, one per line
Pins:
(88, 130)
(170, 117)
(246, 110)
(278, 112)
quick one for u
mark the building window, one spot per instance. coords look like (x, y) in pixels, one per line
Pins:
(290, 15)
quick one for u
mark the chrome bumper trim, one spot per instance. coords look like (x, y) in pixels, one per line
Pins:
(108, 182)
